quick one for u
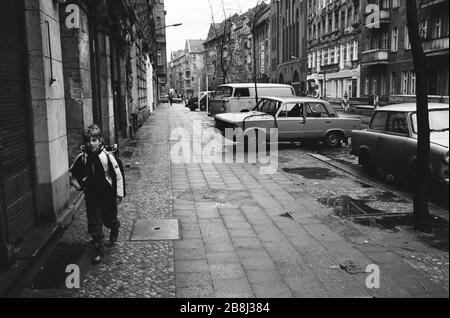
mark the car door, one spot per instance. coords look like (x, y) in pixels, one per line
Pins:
(392, 144)
(318, 120)
(375, 137)
(291, 122)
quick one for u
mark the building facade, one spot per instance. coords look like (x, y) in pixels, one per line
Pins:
(334, 29)
(175, 71)
(288, 41)
(159, 13)
(261, 32)
(64, 66)
(387, 68)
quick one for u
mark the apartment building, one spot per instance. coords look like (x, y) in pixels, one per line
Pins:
(288, 43)
(387, 68)
(334, 28)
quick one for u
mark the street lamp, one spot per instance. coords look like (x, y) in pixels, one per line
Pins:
(168, 26)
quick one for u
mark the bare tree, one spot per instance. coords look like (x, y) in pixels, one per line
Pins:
(421, 171)
(224, 47)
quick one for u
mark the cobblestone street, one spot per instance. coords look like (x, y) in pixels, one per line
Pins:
(246, 234)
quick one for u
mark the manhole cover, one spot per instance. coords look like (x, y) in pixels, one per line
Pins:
(156, 230)
(53, 275)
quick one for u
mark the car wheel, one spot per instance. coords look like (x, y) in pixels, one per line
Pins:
(333, 139)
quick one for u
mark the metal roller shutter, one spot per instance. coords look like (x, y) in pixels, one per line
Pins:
(15, 156)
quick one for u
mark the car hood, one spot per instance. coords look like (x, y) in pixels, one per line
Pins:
(239, 117)
(440, 138)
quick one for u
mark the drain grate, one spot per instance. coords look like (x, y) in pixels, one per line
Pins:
(53, 275)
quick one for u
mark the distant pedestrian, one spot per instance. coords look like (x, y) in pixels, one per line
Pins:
(98, 174)
(376, 102)
(171, 98)
(345, 102)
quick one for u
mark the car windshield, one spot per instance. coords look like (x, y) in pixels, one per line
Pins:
(267, 106)
(224, 91)
(438, 120)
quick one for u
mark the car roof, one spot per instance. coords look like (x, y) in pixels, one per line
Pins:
(294, 99)
(259, 85)
(411, 107)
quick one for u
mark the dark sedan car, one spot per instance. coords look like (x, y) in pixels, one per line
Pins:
(193, 102)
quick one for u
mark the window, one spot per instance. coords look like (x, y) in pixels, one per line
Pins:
(407, 42)
(292, 110)
(394, 43)
(355, 50)
(368, 41)
(375, 84)
(393, 83)
(412, 83)
(395, 4)
(241, 92)
(379, 121)
(384, 40)
(423, 29)
(437, 27)
(349, 16)
(398, 124)
(366, 85)
(351, 52)
(159, 58)
(316, 110)
(383, 84)
(404, 83)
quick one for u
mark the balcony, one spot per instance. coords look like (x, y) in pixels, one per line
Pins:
(375, 57)
(436, 46)
(384, 18)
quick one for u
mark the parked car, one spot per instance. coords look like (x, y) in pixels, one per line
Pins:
(297, 119)
(390, 142)
(234, 98)
(178, 99)
(164, 98)
(193, 102)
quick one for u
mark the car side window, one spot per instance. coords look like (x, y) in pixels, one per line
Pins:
(241, 92)
(379, 121)
(284, 111)
(317, 110)
(398, 124)
(292, 110)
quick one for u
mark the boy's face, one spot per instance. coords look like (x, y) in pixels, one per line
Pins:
(94, 144)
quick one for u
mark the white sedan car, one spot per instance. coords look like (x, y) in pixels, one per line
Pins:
(296, 118)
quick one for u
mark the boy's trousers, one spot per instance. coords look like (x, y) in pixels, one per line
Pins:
(101, 210)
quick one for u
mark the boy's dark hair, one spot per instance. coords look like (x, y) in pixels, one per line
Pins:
(92, 131)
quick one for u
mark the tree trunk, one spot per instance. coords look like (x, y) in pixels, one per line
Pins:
(422, 172)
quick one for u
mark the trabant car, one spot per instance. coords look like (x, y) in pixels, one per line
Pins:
(390, 142)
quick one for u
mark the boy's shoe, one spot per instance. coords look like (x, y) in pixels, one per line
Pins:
(97, 259)
(114, 235)
(98, 253)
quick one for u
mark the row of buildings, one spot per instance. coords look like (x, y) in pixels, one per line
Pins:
(65, 64)
(324, 48)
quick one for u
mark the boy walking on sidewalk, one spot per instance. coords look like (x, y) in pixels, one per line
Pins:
(98, 175)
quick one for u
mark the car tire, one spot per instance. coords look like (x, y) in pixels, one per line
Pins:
(333, 139)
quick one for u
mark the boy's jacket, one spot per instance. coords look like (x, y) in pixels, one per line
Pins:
(113, 172)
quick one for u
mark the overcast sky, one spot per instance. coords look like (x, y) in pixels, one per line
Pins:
(196, 18)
